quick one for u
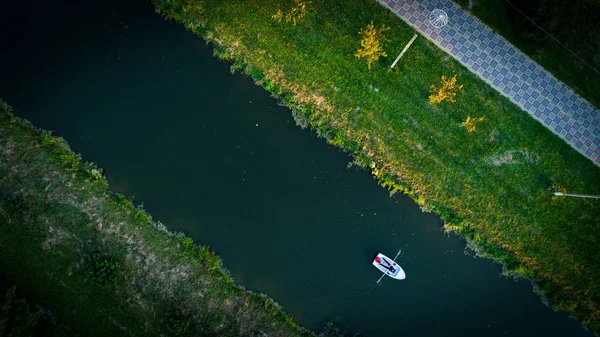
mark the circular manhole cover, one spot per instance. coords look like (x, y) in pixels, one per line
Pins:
(438, 18)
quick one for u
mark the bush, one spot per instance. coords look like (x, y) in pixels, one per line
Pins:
(445, 91)
(179, 324)
(294, 15)
(15, 202)
(16, 319)
(105, 272)
(470, 123)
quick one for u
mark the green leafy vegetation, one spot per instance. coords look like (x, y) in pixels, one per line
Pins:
(493, 185)
(16, 317)
(293, 15)
(15, 202)
(19, 317)
(104, 272)
(179, 324)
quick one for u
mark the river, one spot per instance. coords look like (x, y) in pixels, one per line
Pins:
(212, 154)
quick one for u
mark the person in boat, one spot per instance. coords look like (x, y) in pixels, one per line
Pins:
(386, 264)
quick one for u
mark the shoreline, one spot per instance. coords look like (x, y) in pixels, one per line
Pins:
(400, 155)
(69, 224)
(65, 218)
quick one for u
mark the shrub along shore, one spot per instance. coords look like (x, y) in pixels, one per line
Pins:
(485, 166)
(101, 265)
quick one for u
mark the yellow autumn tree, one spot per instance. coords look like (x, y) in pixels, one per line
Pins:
(294, 15)
(469, 124)
(371, 44)
(446, 91)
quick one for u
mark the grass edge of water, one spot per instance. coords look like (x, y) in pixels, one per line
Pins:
(58, 217)
(553, 295)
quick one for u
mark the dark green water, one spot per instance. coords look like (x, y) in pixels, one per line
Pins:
(213, 155)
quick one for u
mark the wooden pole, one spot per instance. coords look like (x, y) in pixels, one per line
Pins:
(404, 50)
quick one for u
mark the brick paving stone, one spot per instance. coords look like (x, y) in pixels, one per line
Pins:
(508, 70)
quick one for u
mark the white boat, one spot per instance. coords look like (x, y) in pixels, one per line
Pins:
(384, 265)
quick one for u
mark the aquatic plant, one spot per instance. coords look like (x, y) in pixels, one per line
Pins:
(332, 329)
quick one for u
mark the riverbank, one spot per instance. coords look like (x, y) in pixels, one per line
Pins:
(102, 264)
(493, 185)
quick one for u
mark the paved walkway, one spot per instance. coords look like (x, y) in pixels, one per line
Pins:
(509, 71)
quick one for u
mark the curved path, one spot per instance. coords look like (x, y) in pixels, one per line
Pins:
(509, 71)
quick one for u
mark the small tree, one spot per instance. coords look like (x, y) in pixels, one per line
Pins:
(446, 91)
(296, 14)
(469, 124)
(371, 44)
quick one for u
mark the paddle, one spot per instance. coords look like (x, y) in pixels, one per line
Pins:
(392, 260)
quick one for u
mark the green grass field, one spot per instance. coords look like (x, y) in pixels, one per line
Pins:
(493, 185)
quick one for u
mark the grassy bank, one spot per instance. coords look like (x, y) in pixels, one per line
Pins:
(573, 25)
(102, 264)
(493, 185)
